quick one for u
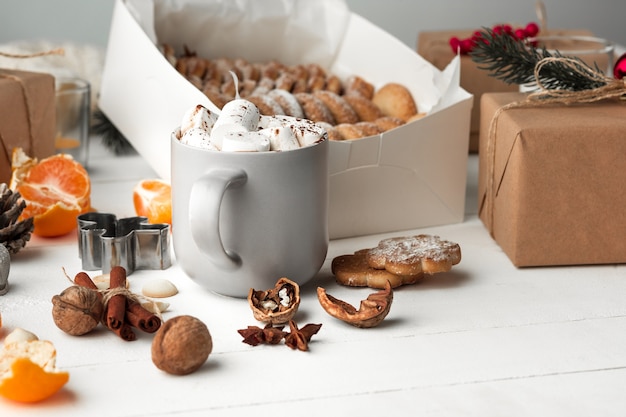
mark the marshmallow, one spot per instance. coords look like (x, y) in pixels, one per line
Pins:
(199, 138)
(306, 131)
(199, 117)
(237, 116)
(245, 142)
(276, 120)
(281, 138)
(309, 133)
(241, 128)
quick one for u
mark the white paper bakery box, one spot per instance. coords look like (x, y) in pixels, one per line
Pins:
(411, 177)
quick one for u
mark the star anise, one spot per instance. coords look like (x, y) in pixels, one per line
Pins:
(300, 338)
(255, 335)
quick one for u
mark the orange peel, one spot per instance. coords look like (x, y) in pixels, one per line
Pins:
(28, 371)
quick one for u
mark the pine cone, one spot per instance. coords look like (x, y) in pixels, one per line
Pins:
(13, 234)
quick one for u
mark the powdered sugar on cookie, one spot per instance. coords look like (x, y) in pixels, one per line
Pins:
(411, 254)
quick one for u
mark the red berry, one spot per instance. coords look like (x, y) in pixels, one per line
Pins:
(466, 46)
(455, 44)
(498, 29)
(519, 33)
(507, 29)
(619, 71)
(532, 29)
(477, 38)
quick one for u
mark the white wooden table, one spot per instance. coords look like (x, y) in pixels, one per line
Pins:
(485, 339)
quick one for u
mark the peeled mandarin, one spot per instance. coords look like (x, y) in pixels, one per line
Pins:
(152, 198)
(56, 190)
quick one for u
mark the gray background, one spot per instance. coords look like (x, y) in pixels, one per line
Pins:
(87, 21)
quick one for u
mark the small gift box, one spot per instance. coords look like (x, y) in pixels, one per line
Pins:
(27, 119)
(435, 47)
(551, 180)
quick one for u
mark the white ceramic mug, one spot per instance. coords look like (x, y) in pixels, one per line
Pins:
(243, 220)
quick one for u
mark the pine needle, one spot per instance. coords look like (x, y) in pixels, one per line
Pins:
(111, 137)
(513, 61)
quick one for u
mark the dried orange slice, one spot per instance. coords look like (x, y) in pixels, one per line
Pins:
(56, 190)
(152, 198)
(28, 371)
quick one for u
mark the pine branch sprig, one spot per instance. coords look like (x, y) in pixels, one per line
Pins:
(513, 61)
(111, 137)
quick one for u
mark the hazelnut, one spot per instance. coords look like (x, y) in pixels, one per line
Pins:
(77, 310)
(181, 345)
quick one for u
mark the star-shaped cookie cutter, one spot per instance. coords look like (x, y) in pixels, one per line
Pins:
(105, 241)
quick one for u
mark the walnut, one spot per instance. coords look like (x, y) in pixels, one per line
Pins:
(181, 345)
(277, 305)
(372, 310)
(77, 310)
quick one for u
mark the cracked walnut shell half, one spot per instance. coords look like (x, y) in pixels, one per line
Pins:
(277, 305)
(371, 312)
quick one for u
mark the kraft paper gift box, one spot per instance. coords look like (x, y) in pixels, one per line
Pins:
(434, 46)
(28, 117)
(551, 181)
(413, 176)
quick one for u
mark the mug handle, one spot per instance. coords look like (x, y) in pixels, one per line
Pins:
(205, 202)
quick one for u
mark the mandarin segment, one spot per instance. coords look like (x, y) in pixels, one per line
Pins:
(152, 199)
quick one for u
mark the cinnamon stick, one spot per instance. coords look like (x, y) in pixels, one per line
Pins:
(84, 280)
(116, 307)
(125, 331)
(137, 316)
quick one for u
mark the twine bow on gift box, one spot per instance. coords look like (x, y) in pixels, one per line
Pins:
(609, 87)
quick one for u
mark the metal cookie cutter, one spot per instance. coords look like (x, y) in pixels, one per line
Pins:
(105, 242)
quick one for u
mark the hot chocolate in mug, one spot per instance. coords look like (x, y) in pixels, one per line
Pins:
(243, 220)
